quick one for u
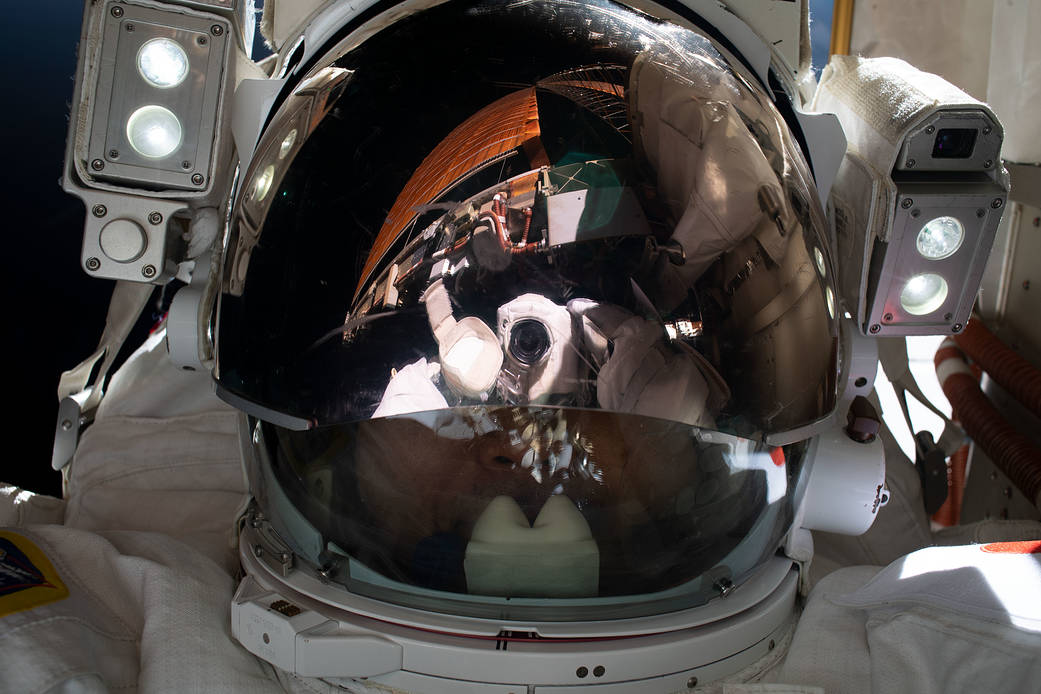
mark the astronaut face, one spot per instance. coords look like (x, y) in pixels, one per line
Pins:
(562, 502)
(421, 482)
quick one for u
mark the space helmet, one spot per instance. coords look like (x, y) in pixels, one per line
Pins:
(519, 299)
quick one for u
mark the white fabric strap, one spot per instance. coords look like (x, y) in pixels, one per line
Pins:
(892, 353)
(128, 300)
(78, 395)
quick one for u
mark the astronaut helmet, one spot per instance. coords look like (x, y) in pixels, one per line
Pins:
(522, 302)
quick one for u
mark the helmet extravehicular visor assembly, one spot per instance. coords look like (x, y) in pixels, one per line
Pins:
(513, 294)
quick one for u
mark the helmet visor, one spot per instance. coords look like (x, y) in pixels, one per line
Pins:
(622, 222)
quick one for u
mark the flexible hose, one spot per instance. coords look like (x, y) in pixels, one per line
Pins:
(1011, 451)
(1009, 370)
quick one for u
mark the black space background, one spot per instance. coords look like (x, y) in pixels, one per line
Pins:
(53, 313)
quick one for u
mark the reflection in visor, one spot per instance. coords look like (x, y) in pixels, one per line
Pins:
(537, 277)
(625, 225)
(539, 503)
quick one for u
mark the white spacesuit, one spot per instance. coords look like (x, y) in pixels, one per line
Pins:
(573, 420)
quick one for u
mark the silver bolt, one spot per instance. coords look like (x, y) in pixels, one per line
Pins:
(117, 12)
(202, 40)
(986, 130)
(217, 30)
(956, 328)
(911, 163)
(996, 203)
(258, 551)
(325, 573)
(198, 179)
(875, 328)
(725, 586)
(99, 210)
(130, 27)
(155, 218)
(113, 154)
(888, 318)
(987, 164)
(186, 164)
(93, 264)
(906, 204)
(285, 556)
(97, 165)
(148, 271)
(66, 425)
(692, 682)
(930, 130)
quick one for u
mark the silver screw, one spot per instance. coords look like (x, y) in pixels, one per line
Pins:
(888, 318)
(113, 154)
(258, 551)
(930, 130)
(130, 27)
(198, 179)
(911, 163)
(186, 164)
(906, 204)
(117, 12)
(97, 165)
(93, 264)
(692, 682)
(202, 40)
(99, 210)
(986, 130)
(148, 271)
(996, 203)
(987, 164)
(66, 425)
(956, 328)
(155, 218)
(217, 30)
(875, 328)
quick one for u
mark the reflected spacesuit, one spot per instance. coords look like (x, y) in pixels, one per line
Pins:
(529, 316)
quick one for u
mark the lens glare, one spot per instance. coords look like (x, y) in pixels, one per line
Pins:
(287, 144)
(154, 132)
(923, 294)
(940, 238)
(263, 182)
(163, 63)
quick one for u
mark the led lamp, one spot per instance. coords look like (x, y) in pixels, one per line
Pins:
(154, 132)
(162, 63)
(923, 294)
(940, 238)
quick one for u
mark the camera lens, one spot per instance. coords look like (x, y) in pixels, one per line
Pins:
(529, 341)
(954, 143)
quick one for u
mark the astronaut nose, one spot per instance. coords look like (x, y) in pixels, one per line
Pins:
(498, 450)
